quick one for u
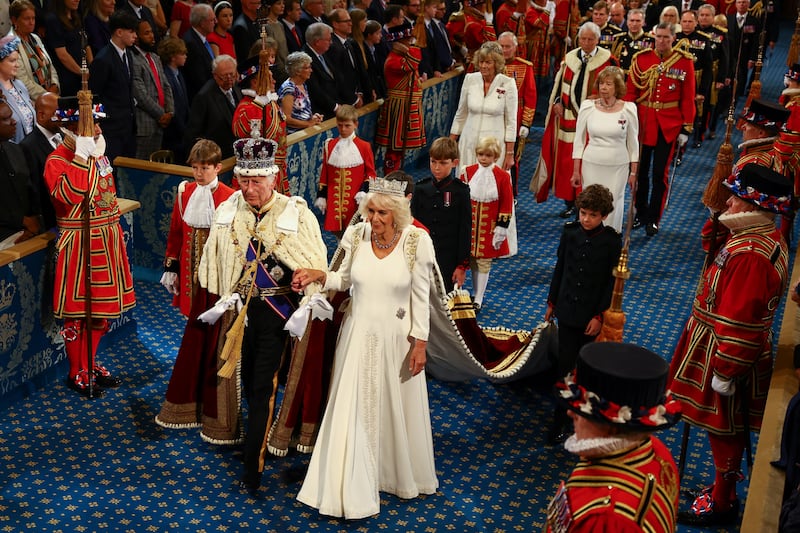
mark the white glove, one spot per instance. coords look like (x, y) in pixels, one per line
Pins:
(84, 146)
(359, 196)
(725, 387)
(489, 17)
(321, 204)
(567, 41)
(170, 282)
(682, 139)
(523, 132)
(100, 148)
(464, 51)
(500, 234)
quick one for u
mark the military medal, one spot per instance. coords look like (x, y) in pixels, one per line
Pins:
(276, 272)
(103, 165)
(447, 198)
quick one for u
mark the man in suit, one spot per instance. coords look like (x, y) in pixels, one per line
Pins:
(313, 11)
(290, 18)
(342, 60)
(152, 93)
(321, 85)
(438, 47)
(39, 144)
(684, 5)
(142, 12)
(743, 30)
(197, 70)
(376, 9)
(245, 29)
(172, 52)
(111, 77)
(212, 109)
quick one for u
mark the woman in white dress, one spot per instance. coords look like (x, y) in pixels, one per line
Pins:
(487, 107)
(376, 434)
(606, 147)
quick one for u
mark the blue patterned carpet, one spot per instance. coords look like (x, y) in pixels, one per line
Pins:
(73, 465)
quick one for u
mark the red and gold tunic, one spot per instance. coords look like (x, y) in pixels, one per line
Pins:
(343, 183)
(504, 20)
(537, 25)
(729, 331)
(487, 215)
(111, 281)
(555, 163)
(271, 125)
(566, 19)
(664, 92)
(520, 70)
(633, 490)
(476, 30)
(400, 125)
(185, 243)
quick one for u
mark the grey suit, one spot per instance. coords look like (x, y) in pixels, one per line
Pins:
(148, 132)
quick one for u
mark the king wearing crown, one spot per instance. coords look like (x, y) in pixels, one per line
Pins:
(257, 239)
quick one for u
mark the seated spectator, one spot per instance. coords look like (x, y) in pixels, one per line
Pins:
(36, 71)
(38, 145)
(96, 23)
(63, 41)
(221, 38)
(14, 91)
(293, 94)
(197, 69)
(211, 114)
(19, 213)
(152, 94)
(172, 52)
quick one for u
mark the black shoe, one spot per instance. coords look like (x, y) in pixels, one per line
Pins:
(712, 134)
(678, 161)
(698, 144)
(651, 229)
(637, 223)
(103, 378)
(477, 307)
(82, 388)
(568, 212)
(251, 488)
(702, 513)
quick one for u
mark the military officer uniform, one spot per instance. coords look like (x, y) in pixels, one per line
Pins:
(626, 46)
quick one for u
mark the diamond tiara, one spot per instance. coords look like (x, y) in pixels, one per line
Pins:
(390, 187)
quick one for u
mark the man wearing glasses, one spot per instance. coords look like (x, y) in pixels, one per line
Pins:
(347, 67)
(211, 114)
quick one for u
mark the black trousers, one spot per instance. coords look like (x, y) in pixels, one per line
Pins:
(262, 348)
(570, 342)
(650, 202)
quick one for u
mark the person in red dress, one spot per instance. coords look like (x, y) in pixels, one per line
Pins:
(721, 368)
(347, 162)
(400, 125)
(626, 480)
(75, 169)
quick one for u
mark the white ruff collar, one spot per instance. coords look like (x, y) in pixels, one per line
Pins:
(482, 185)
(200, 207)
(600, 446)
(757, 142)
(345, 154)
(742, 221)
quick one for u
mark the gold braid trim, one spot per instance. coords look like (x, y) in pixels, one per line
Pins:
(646, 80)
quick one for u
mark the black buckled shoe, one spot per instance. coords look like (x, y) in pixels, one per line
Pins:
(80, 384)
(104, 378)
(703, 514)
(637, 223)
(568, 212)
(651, 229)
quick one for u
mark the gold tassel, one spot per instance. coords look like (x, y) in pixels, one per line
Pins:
(232, 349)
(716, 194)
(794, 48)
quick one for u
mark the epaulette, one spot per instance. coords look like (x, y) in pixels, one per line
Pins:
(640, 52)
(720, 28)
(457, 16)
(619, 34)
(524, 61)
(685, 53)
(704, 34)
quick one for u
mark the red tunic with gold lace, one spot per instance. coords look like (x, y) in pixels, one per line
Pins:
(185, 243)
(344, 183)
(487, 215)
(729, 331)
(272, 126)
(634, 490)
(400, 125)
(111, 281)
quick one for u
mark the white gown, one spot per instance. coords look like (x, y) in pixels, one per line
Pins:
(613, 144)
(376, 434)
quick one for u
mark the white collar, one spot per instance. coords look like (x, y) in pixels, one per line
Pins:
(49, 135)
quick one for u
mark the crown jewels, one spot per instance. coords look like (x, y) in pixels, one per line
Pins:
(390, 187)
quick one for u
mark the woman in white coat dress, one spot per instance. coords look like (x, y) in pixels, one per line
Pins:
(487, 107)
(376, 433)
(606, 147)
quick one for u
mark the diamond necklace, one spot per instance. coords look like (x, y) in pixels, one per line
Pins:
(387, 245)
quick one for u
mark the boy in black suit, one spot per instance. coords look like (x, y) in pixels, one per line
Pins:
(582, 283)
(442, 204)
